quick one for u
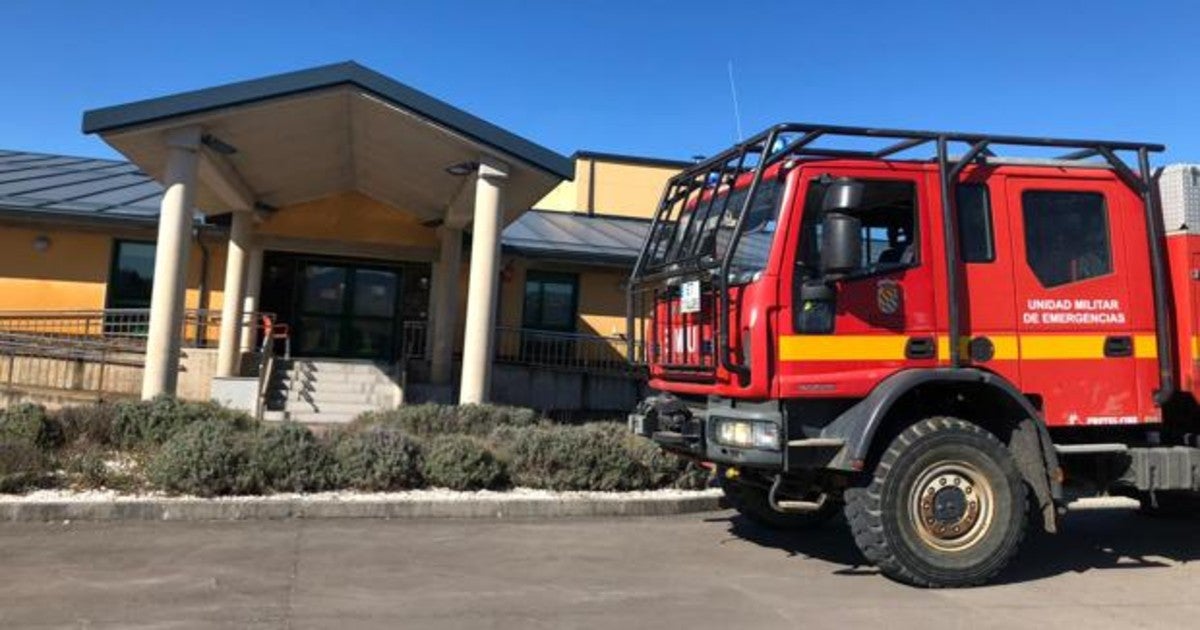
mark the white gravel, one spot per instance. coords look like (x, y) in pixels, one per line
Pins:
(434, 494)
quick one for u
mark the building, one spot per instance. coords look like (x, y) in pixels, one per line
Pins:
(330, 213)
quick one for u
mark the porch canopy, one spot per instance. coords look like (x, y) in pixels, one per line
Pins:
(249, 148)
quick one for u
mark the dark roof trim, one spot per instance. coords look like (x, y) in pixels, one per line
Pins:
(593, 259)
(108, 119)
(57, 218)
(631, 159)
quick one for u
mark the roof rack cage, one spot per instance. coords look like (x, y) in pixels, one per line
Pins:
(678, 246)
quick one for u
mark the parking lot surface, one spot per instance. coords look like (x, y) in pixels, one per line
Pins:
(1110, 568)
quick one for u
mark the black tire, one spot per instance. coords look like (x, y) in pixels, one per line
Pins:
(751, 502)
(945, 506)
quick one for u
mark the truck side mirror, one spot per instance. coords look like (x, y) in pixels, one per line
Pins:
(841, 244)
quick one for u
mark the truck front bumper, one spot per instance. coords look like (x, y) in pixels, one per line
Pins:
(691, 429)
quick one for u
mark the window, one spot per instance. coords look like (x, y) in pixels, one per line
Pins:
(131, 276)
(975, 240)
(716, 217)
(1066, 236)
(551, 301)
(889, 223)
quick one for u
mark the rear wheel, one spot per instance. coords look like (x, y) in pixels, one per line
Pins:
(945, 506)
(752, 502)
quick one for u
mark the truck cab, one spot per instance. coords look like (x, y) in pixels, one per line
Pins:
(930, 344)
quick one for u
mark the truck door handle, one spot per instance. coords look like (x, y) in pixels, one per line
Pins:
(920, 348)
(1118, 346)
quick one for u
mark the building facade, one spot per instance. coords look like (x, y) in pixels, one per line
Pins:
(327, 214)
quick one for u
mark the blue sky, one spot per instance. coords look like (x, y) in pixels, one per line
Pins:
(645, 77)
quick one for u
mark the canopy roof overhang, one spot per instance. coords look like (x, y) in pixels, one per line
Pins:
(296, 137)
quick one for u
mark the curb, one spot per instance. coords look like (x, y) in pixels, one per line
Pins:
(266, 509)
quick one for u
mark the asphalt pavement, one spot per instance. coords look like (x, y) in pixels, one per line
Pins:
(1110, 568)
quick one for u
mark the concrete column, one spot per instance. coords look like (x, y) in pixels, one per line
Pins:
(254, 264)
(480, 326)
(236, 257)
(171, 263)
(444, 314)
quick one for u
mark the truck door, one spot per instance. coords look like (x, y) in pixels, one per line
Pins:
(1075, 311)
(884, 316)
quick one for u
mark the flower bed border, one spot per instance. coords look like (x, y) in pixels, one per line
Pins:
(493, 506)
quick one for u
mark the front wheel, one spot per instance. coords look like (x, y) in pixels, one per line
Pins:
(945, 506)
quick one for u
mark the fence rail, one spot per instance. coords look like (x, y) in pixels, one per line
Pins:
(539, 348)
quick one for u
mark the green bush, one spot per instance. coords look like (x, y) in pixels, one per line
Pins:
(598, 456)
(206, 459)
(289, 458)
(378, 459)
(461, 462)
(22, 466)
(88, 425)
(87, 468)
(30, 424)
(429, 419)
(153, 422)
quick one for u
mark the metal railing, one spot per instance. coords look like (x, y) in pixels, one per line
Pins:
(200, 328)
(578, 352)
(79, 349)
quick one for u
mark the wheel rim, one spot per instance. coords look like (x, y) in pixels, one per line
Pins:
(952, 505)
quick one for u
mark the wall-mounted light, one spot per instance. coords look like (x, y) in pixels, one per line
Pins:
(41, 243)
(217, 144)
(462, 168)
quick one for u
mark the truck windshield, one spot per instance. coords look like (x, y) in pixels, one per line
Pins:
(715, 217)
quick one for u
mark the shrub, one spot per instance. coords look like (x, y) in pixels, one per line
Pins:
(22, 466)
(378, 458)
(87, 468)
(598, 456)
(205, 459)
(28, 423)
(88, 425)
(461, 462)
(429, 419)
(289, 458)
(153, 422)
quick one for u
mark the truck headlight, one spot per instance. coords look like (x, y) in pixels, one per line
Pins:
(747, 433)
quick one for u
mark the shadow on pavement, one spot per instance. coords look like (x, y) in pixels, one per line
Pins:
(1092, 539)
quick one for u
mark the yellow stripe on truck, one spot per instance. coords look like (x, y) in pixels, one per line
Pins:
(1034, 347)
(842, 347)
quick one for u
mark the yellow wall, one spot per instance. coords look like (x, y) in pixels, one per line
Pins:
(349, 217)
(609, 186)
(73, 273)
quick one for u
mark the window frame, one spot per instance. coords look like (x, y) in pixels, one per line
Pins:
(989, 217)
(556, 277)
(1108, 234)
(113, 269)
(916, 215)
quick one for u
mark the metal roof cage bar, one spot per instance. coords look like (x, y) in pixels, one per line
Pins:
(656, 262)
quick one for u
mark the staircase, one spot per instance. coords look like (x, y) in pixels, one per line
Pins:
(330, 390)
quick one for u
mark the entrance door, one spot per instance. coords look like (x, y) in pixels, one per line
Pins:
(346, 311)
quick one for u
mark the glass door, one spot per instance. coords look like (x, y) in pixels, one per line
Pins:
(347, 311)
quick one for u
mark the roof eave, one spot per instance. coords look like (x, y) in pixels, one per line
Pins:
(118, 117)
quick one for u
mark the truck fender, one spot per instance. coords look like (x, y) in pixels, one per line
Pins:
(1028, 439)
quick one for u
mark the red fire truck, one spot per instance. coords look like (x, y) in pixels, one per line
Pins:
(941, 347)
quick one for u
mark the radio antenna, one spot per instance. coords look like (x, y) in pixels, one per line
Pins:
(737, 116)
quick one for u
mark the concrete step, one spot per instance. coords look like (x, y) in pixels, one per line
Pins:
(333, 388)
(324, 417)
(350, 408)
(324, 367)
(368, 398)
(334, 377)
